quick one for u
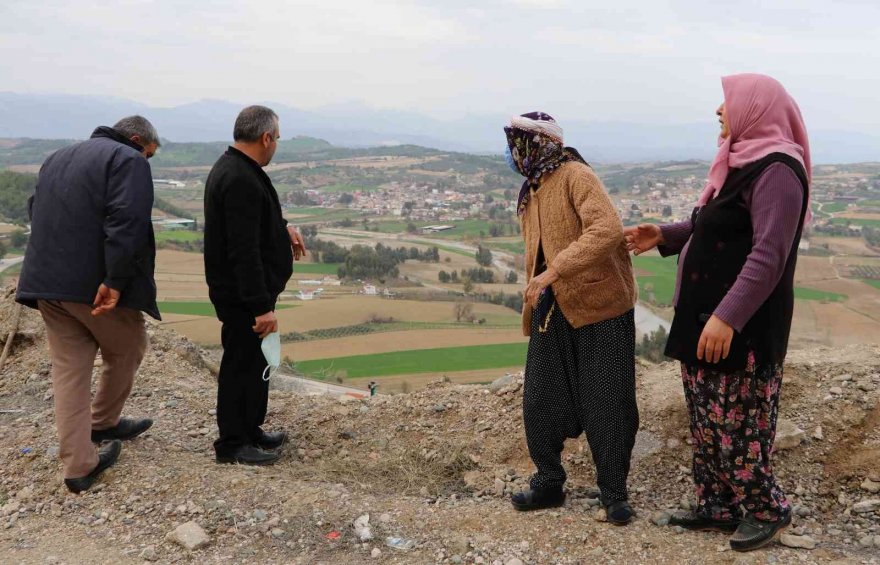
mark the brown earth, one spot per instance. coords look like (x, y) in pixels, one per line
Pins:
(434, 467)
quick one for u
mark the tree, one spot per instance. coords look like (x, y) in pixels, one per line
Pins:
(468, 285)
(463, 311)
(512, 277)
(18, 238)
(483, 256)
(346, 198)
(411, 228)
(496, 230)
(2, 250)
(667, 211)
(443, 276)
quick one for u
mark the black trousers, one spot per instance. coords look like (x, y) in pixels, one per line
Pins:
(242, 394)
(581, 381)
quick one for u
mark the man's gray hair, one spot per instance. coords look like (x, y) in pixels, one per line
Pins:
(138, 126)
(253, 122)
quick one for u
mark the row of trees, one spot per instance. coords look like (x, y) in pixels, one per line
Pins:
(478, 275)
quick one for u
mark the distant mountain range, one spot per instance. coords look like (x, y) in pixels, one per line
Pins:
(61, 116)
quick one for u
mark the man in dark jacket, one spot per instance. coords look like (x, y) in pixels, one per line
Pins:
(89, 269)
(249, 252)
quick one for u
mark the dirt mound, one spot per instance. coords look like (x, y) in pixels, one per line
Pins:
(432, 468)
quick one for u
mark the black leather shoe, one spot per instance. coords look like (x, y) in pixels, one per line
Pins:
(127, 428)
(107, 456)
(249, 455)
(537, 499)
(619, 513)
(702, 523)
(754, 534)
(271, 440)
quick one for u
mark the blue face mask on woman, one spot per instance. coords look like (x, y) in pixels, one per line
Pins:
(508, 156)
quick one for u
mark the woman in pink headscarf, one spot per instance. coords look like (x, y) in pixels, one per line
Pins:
(733, 306)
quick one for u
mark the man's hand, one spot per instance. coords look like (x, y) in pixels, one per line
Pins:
(642, 238)
(297, 243)
(266, 324)
(105, 300)
(537, 285)
(715, 340)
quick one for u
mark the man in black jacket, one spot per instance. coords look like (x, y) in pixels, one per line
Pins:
(89, 269)
(249, 252)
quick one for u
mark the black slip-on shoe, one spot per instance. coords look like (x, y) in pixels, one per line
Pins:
(538, 499)
(126, 429)
(702, 523)
(271, 440)
(619, 513)
(754, 534)
(107, 456)
(249, 455)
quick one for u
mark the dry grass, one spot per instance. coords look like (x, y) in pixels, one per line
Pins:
(399, 471)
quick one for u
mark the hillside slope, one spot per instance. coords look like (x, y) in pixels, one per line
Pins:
(434, 467)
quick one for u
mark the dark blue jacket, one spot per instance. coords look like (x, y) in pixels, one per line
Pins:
(90, 224)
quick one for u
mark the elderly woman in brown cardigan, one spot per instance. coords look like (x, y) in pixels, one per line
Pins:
(578, 312)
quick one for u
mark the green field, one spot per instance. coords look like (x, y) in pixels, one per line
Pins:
(198, 308)
(511, 247)
(873, 282)
(813, 294)
(316, 268)
(445, 359)
(179, 235)
(856, 222)
(834, 207)
(660, 282)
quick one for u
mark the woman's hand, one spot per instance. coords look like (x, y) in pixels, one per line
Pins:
(642, 238)
(715, 340)
(537, 285)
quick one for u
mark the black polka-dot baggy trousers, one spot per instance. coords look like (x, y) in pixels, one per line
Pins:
(581, 380)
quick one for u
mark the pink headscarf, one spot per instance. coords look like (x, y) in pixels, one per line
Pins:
(763, 119)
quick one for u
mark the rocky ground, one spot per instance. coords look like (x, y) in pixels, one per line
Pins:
(413, 479)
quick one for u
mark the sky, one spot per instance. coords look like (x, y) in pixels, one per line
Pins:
(656, 62)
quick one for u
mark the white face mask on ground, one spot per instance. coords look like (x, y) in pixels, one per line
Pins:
(271, 347)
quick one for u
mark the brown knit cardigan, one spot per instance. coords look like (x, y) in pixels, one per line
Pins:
(574, 221)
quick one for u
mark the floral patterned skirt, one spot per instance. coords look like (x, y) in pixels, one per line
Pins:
(733, 425)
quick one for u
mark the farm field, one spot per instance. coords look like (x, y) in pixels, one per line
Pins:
(399, 341)
(444, 359)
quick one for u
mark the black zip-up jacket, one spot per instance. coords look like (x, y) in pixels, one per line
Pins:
(248, 258)
(90, 224)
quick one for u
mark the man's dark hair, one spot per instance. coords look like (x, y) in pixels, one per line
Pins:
(253, 122)
(140, 126)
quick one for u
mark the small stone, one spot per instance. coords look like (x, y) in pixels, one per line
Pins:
(376, 553)
(260, 515)
(501, 383)
(385, 518)
(672, 443)
(600, 515)
(866, 506)
(439, 408)
(277, 532)
(661, 518)
(870, 486)
(149, 554)
(867, 541)
(797, 542)
(686, 503)
(836, 390)
(514, 561)
(190, 536)
(817, 433)
(499, 487)
(788, 435)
